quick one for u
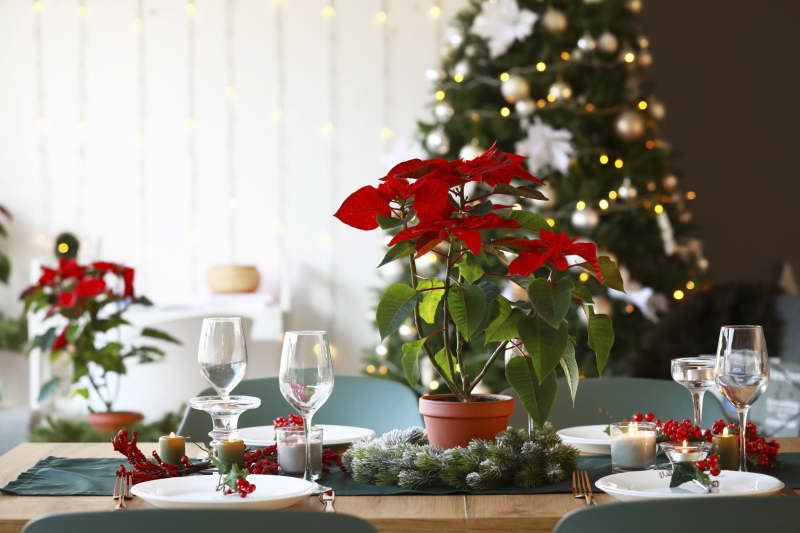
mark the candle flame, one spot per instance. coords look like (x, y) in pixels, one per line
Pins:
(632, 428)
(685, 444)
(171, 434)
(725, 432)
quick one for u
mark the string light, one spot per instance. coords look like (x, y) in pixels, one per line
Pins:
(678, 294)
(629, 57)
(63, 247)
(435, 12)
(386, 133)
(328, 10)
(612, 195)
(691, 195)
(604, 159)
(504, 111)
(690, 285)
(38, 7)
(370, 369)
(603, 204)
(382, 16)
(642, 105)
(551, 222)
(629, 308)
(458, 78)
(584, 277)
(540, 103)
(541, 66)
(433, 385)
(191, 9)
(658, 208)
(581, 205)
(565, 55)
(551, 97)
(440, 94)
(649, 144)
(589, 107)
(381, 350)
(651, 186)
(505, 76)
(618, 162)
(382, 370)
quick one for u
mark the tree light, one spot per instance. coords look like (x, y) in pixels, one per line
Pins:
(433, 385)
(551, 222)
(504, 111)
(603, 204)
(658, 208)
(440, 94)
(382, 370)
(386, 133)
(370, 369)
(612, 195)
(678, 294)
(690, 285)
(629, 57)
(458, 78)
(382, 16)
(435, 12)
(581, 205)
(584, 277)
(540, 66)
(618, 162)
(604, 159)
(629, 308)
(589, 107)
(642, 105)
(381, 350)
(505, 76)
(691, 195)
(565, 55)
(328, 10)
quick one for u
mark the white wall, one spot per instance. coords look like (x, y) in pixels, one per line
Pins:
(173, 141)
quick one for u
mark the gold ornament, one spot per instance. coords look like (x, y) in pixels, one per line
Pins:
(635, 5)
(645, 59)
(525, 107)
(554, 20)
(515, 88)
(656, 108)
(560, 90)
(669, 182)
(630, 125)
(607, 42)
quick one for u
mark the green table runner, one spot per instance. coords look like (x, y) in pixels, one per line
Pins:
(59, 476)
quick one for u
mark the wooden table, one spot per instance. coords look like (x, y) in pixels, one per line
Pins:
(418, 513)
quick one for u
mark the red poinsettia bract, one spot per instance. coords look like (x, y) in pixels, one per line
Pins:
(552, 247)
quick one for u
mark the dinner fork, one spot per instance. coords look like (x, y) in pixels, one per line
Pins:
(122, 489)
(577, 485)
(587, 487)
(581, 487)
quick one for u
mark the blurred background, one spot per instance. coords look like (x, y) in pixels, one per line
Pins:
(177, 136)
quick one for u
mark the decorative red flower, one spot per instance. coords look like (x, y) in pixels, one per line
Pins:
(553, 247)
(105, 266)
(494, 167)
(60, 341)
(127, 276)
(67, 299)
(362, 208)
(47, 277)
(90, 287)
(69, 268)
(430, 234)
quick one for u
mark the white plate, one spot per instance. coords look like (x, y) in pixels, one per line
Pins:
(331, 435)
(648, 484)
(587, 439)
(198, 492)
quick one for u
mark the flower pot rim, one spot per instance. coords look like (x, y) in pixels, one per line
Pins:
(494, 397)
(430, 405)
(106, 413)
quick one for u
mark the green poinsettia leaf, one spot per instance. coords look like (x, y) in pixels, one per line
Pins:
(441, 359)
(543, 343)
(388, 222)
(410, 360)
(470, 268)
(582, 293)
(601, 337)
(528, 220)
(536, 398)
(570, 367)
(502, 321)
(551, 299)
(611, 276)
(396, 304)
(397, 251)
(520, 192)
(5, 268)
(430, 298)
(158, 334)
(467, 308)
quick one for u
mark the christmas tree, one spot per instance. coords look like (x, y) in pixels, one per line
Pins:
(564, 83)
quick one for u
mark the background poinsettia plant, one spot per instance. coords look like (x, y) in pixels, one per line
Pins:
(445, 207)
(88, 302)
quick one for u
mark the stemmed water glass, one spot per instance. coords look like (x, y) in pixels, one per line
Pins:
(741, 373)
(222, 353)
(306, 378)
(697, 375)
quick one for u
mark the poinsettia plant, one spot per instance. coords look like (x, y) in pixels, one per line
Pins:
(426, 206)
(88, 303)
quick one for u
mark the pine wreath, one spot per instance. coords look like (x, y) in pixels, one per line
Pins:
(404, 458)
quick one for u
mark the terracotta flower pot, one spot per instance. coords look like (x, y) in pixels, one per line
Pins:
(453, 423)
(112, 421)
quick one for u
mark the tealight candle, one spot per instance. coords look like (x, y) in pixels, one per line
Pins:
(171, 448)
(292, 450)
(727, 448)
(633, 446)
(231, 451)
(685, 453)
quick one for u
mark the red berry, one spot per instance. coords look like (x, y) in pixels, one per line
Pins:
(649, 417)
(638, 417)
(702, 465)
(715, 472)
(658, 422)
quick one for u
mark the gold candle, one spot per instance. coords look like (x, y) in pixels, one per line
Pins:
(727, 448)
(171, 448)
(231, 451)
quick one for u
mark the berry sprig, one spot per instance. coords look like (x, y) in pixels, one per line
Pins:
(711, 464)
(233, 479)
(145, 469)
(292, 420)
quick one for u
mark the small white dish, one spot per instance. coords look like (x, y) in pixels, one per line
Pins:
(198, 492)
(331, 435)
(587, 439)
(651, 484)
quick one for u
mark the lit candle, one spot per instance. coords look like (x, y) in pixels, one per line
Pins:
(231, 451)
(727, 448)
(171, 448)
(633, 446)
(685, 453)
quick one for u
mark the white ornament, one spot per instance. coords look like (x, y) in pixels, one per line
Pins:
(656, 108)
(546, 147)
(501, 22)
(435, 74)
(669, 182)
(607, 42)
(554, 20)
(576, 54)
(645, 59)
(438, 142)
(627, 191)
(515, 88)
(560, 91)
(454, 36)
(525, 107)
(469, 50)
(630, 125)
(470, 151)
(443, 111)
(461, 68)
(585, 219)
(587, 43)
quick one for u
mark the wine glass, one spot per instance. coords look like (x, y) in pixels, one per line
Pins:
(697, 375)
(222, 353)
(306, 378)
(741, 373)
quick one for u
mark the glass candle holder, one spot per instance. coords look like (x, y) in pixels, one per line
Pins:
(633, 446)
(685, 452)
(292, 450)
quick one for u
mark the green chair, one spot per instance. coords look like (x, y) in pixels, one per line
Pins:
(602, 400)
(197, 521)
(377, 404)
(728, 515)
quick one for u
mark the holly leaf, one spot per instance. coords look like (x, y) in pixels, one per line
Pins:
(687, 471)
(410, 360)
(470, 268)
(570, 367)
(430, 298)
(502, 321)
(611, 276)
(528, 220)
(601, 337)
(467, 307)
(551, 299)
(401, 249)
(397, 302)
(49, 388)
(544, 344)
(537, 399)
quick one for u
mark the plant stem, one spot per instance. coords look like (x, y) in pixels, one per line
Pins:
(459, 340)
(500, 349)
(445, 331)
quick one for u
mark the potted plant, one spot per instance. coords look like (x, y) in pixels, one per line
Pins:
(88, 303)
(427, 208)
